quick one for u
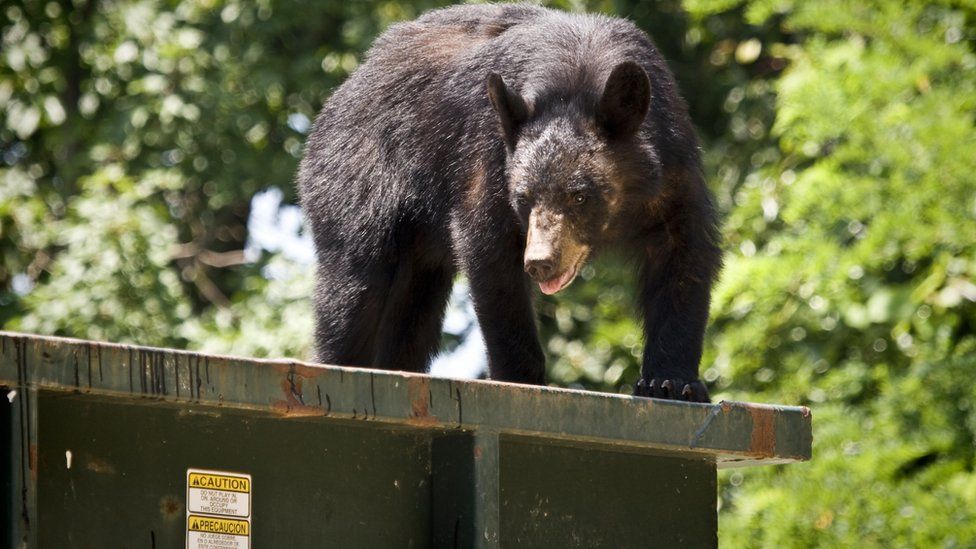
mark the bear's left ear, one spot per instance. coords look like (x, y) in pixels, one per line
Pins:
(510, 106)
(626, 98)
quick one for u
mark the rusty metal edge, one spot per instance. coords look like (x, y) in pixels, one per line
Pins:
(734, 434)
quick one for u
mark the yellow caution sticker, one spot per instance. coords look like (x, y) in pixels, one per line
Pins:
(218, 509)
(218, 493)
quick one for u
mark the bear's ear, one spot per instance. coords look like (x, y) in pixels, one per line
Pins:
(626, 98)
(510, 106)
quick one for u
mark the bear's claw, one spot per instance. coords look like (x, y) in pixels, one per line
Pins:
(691, 391)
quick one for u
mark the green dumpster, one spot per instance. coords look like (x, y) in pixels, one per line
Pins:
(119, 446)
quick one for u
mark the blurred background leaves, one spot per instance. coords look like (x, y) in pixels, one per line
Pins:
(148, 149)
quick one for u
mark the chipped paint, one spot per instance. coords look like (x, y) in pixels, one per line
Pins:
(306, 371)
(706, 424)
(419, 396)
(292, 386)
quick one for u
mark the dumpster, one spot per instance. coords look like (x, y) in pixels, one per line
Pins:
(113, 445)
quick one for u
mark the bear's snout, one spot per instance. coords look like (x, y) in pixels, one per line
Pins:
(540, 269)
(542, 243)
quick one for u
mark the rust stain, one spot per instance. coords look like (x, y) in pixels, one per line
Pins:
(726, 406)
(292, 383)
(299, 369)
(418, 392)
(763, 442)
(292, 389)
(287, 408)
(170, 507)
(477, 452)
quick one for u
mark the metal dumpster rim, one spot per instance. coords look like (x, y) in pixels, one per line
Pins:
(733, 434)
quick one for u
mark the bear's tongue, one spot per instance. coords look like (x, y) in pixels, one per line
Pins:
(552, 286)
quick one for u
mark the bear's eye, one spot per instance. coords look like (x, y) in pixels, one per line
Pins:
(579, 198)
(521, 198)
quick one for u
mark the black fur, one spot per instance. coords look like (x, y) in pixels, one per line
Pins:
(475, 129)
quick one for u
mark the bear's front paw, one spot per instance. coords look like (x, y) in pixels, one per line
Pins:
(672, 388)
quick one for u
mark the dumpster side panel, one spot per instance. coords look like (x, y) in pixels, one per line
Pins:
(567, 496)
(9, 473)
(314, 484)
(18, 429)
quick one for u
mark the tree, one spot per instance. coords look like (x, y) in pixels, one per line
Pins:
(849, 285)
(134, 136)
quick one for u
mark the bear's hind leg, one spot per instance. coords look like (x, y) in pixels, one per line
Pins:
(410, 330)
(349, 304)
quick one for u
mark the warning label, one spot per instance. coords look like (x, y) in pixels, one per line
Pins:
(218, 510)
(225, 494)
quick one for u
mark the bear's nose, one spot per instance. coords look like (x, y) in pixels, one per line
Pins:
(539, 269)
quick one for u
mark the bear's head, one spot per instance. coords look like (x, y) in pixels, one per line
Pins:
(577, 161)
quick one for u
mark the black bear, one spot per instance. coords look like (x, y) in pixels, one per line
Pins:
(510, 142)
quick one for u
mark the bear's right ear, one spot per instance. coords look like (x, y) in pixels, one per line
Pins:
(626, 98)
(510, 106)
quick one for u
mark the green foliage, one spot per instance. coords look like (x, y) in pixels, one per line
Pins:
(273, 317)
(102, 100)
(839, 141)
(850, 282)
(121, 259)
